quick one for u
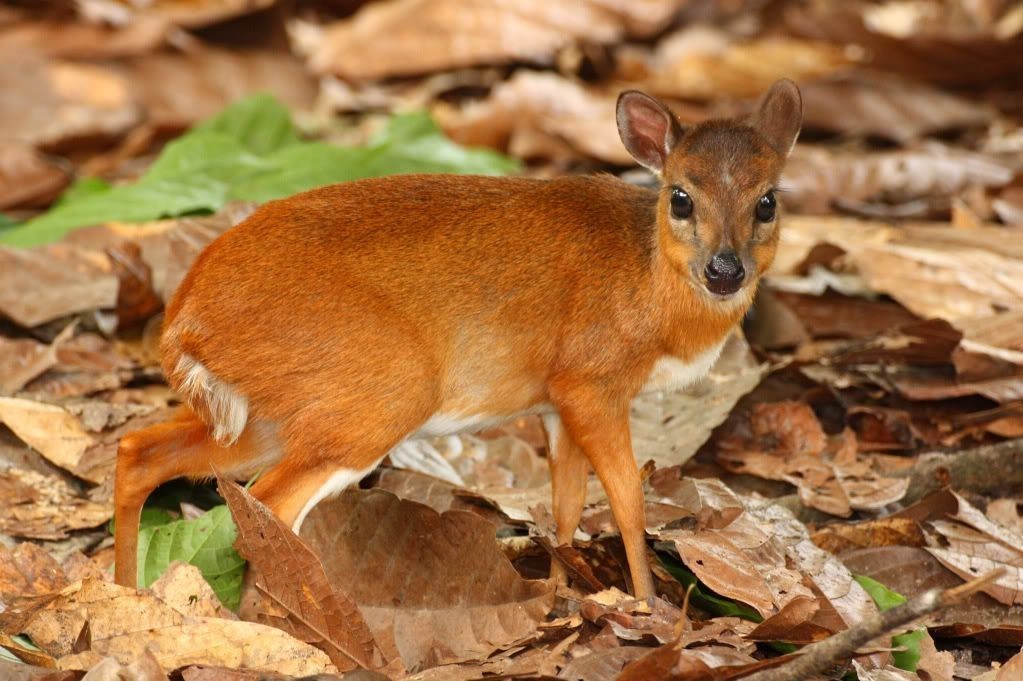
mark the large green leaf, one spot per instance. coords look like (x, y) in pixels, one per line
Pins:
(251, 151)
(206, 542)
(886, 599)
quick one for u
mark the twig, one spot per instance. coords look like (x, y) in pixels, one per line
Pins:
(819, 657)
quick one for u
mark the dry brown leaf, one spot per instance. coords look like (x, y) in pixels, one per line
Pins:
(630, 619)
(182, 588)
(48, 429)
(185, 13)
(945, 54)
(411, 37)
(389, 555)
(902, 110)
(291, 576)
(45, 102)
(699, 62)
(123, 623)
(841, 537)
(46, 283)
(44, 506)
(935, 271)
(27, 178)
(732, 553)
(24, 359)
(790, 445)
(899, 183)
(601, 665)
(178, 90)
(540, 115)
(975, 545)
(28, 570)
(142, 668)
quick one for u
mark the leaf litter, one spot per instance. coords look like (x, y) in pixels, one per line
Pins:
(889, 329)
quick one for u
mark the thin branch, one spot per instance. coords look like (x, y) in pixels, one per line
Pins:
(819, 657)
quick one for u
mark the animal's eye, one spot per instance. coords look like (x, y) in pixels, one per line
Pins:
(766, 207)
(681, 204)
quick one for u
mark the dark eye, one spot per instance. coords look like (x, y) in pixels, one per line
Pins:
(681, 204)
(766, 207)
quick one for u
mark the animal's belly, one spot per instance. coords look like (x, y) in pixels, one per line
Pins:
(441, 424)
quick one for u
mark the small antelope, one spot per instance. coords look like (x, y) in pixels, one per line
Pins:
(332, 326)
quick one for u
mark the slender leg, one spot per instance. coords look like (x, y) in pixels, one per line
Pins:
(601, 430)
(149, 457)
(569, 471)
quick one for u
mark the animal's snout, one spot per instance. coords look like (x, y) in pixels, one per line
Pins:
(724, 273)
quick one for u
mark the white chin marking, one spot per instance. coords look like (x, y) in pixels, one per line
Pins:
(337, 483)
(228, 409)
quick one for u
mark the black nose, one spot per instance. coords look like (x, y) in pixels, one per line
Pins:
(724, 273)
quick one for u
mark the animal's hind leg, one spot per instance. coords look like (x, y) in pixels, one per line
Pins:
(150, 457)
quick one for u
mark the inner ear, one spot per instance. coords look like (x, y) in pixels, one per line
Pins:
(648, 130)
(779, 116)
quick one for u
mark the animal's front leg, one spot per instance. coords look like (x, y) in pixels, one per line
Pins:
(569, 471)
(600, 427)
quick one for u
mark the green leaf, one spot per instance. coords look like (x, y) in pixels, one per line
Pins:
(260, 123)
(83, 187)
(703, 597)
(886, 599)
(151, 517)
(252, 152)
(206, 542)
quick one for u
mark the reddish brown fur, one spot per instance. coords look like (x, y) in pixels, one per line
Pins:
(350, 314)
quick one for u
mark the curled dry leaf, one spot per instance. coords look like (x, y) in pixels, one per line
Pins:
(891, 108)
(28, 570)
(699, 62)
(630, 619)
(819, 179)
(540, 115)
(973, 545)
(49, 429)
(830, 475)
(122, 623)
(45, 507)
(45, 102)
(185, 13)
(392, 554)
(935, 271)
(290, 575)
(142, 668)
(43, 284)
(24, 359)
(27, 178)
(410, 37)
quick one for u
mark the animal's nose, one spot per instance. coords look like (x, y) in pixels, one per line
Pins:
(724, 273)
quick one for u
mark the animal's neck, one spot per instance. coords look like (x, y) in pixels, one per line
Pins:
(692, 322)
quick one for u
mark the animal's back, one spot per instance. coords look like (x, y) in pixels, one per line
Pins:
(463, 280)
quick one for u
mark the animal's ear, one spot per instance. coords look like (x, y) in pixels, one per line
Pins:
(648, 130)
(779, 116)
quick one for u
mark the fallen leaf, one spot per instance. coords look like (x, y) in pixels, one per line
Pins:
(903, 183)
(123, 623)
(540, 115)
(28, 570)
(864, 103)
(143, 668)
(291, 576)
(185, 13)
(484, 603)
(839, 538)
(699, 62)
(430, 36)
(40, 285)
(24, 359)
(27, 178)
(44, 506)
(48, 429)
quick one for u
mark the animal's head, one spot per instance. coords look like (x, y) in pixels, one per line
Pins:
(717, 215)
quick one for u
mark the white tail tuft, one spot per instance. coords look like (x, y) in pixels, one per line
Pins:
(228, 410)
